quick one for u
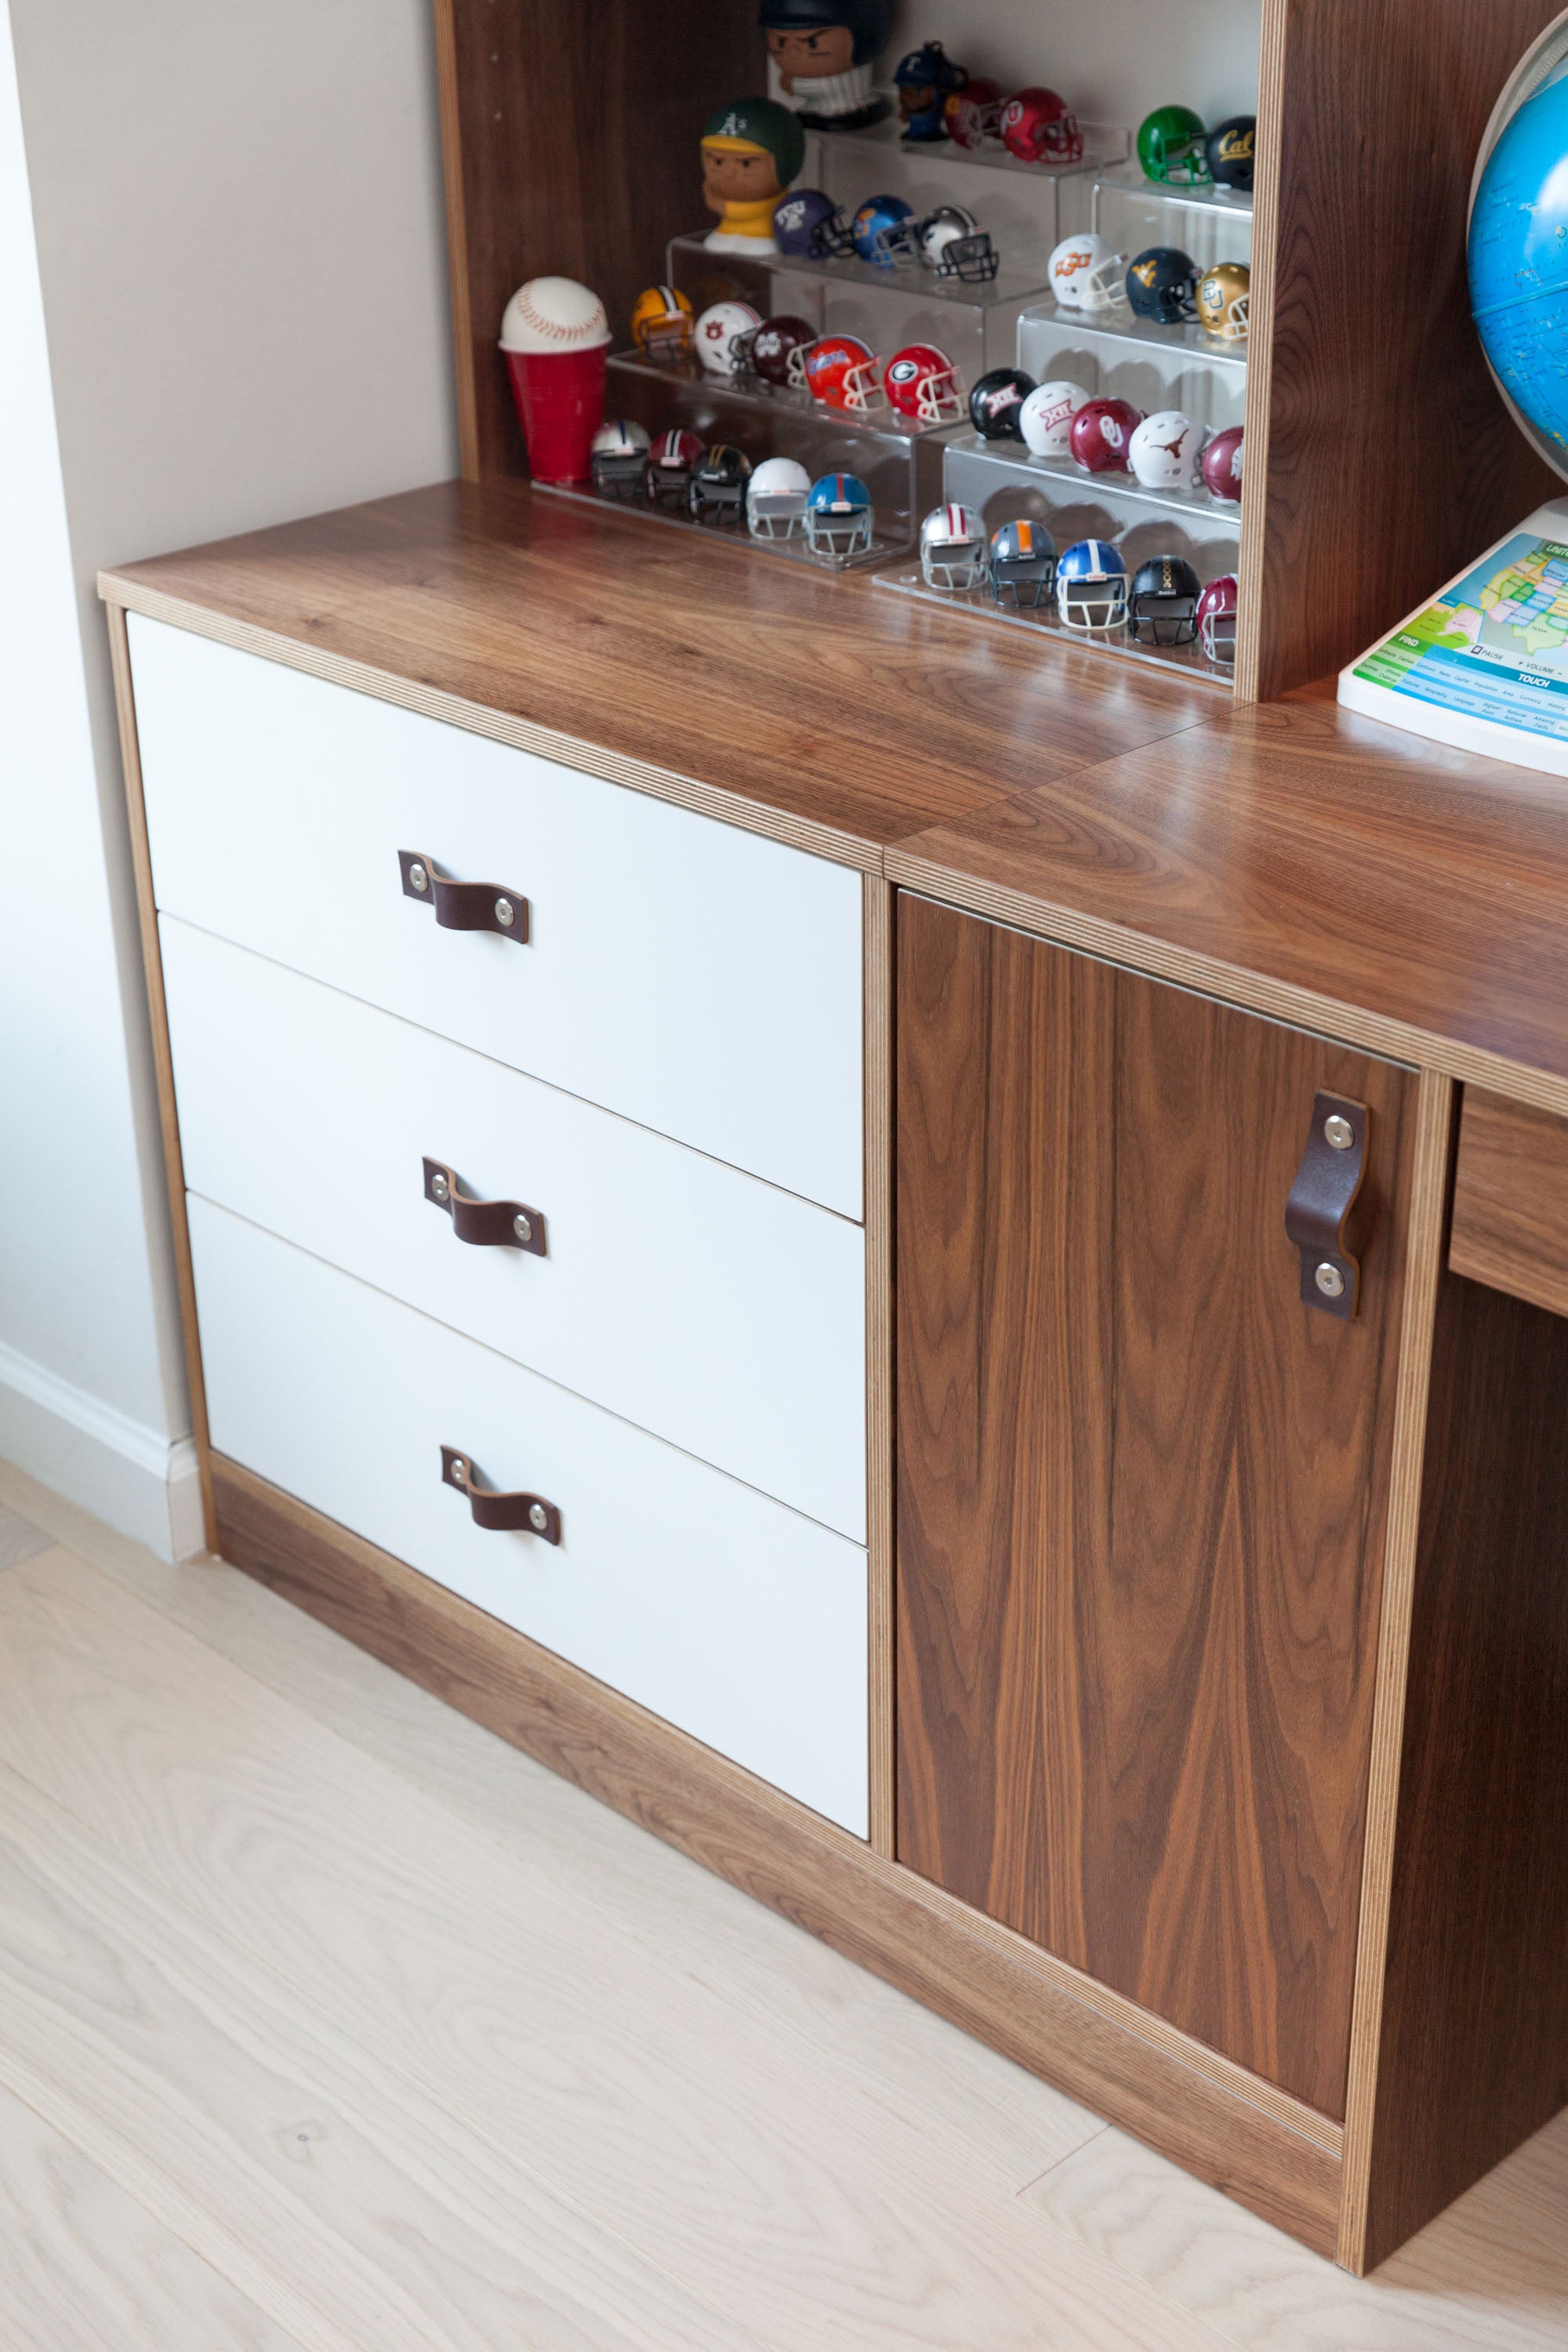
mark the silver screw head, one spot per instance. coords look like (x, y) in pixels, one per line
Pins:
(538, 1518)
(418, 879)
(522, 1227)
(459, 1467)
(1330, 1280)
(439, 1188)
(506, 913)
(1339, 1132)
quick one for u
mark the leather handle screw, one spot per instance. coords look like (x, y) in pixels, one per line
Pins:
(463, 906)
(489, 1224)
(1321, 1199)
(529, 1513)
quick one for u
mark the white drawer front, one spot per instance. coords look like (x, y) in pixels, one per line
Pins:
(704, 1600)
(718, 1311)
(692, 976)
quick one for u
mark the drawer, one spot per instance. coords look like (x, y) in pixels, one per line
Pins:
(1511, 1200)
(689, 975)
(707, 1603)
(719, 1312)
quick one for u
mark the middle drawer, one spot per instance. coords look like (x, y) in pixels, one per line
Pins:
(710, 1308)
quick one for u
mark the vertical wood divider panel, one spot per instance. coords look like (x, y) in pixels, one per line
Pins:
(879, 1021)
(457, 238)
(1261, 340)
(162, 1061)
(1434, 1120)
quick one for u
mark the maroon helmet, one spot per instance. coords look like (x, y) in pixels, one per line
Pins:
(1102, 434)
(773, 344)
(1221, 464)
(1215, 619)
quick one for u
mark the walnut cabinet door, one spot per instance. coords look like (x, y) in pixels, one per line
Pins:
(1142, 1486)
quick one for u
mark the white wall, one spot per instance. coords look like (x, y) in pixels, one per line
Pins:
(1113, 60)
(222, 280)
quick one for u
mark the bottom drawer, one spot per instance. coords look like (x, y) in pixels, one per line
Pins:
(721, 1610)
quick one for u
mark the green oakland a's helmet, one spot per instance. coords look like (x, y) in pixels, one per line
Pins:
(1171, 148)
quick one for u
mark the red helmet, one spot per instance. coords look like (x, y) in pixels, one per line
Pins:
(842, 371)
(1221, 464)
(772, 345)
(667, 472)
(973, 114)
(1102, 434)
(922, 383)
(1215, 619)
(1041, 128)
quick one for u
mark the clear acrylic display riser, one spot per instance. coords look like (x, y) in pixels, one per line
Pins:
(976, 326)
(1116, 353)
(980, 605)
(1002, 482)
(1135, 212)
(796, 549)
(1027, 208)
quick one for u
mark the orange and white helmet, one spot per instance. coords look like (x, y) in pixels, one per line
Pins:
(841, 371)
(661, 325)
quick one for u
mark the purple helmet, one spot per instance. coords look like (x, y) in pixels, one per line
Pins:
(809, 227)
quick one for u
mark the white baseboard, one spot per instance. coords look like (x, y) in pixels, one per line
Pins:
(140, 1481)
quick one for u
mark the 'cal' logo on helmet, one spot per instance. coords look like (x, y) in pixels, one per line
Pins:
(1236, 147)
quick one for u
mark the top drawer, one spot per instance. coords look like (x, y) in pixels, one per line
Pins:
(691, 976)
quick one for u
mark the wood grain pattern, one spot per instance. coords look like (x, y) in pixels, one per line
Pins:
(878, 999)
(1262, 2147)
(1142, 1488)
(1367, 323)
(570, 134)
(1474, 2046)
(747, 688)
(1250, 561)
(162, 1061)
(1511, 1200)
(1429, 1194)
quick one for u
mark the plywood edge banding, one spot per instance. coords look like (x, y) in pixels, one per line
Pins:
(1260, 2146)
(1433, 1122)
(500, 726)
(878, 948)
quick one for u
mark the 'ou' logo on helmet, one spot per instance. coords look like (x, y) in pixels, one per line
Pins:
(1112, 429)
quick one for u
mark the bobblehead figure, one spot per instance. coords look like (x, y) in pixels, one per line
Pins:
(752, 150)
(821, 56)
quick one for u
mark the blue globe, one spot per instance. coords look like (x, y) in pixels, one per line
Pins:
(1519, 264)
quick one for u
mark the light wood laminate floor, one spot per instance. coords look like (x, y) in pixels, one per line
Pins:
(328, 2023)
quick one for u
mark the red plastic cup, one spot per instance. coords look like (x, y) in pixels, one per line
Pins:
(560, 399)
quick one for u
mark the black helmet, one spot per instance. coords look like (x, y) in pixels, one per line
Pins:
(718, 480)
(1163, 606)
(995, 402)
(1162, 284)
(870, 22)
(1229, 151)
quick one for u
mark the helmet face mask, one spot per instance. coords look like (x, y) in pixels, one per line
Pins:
(667, 343)
(1105, 288)
(955, 246)
(954, 553)
(776, 498)
(1092, 587)
(838, 516)
(862, 388)
(1022, 565)
(718, 485)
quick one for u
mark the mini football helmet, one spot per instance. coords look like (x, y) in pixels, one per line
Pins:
(973, 114)
(1091, 586)
(1230, 152)
(1041, 128)
(809, 227)
(841, 371)
(775, 499)
(878, 233)
(953, 552)
(1216, 619)
(722, 334)
(922, 383)
(1163, 452)
(951, 242)
(1221, 465)
(1225, 298)
(1046, 418)
(925, 79)
(618, 457)
(774, 345)
(1022, 564)
(995, 401)
(717, 492)
(838, 515)
(1086, 273)
(661, 326)
(1163, 285)
(1102, 436)
(668, 471)
(1164, 604)
(1171, 143)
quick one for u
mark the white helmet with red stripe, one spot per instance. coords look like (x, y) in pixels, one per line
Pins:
(922, 383)
(953, 549)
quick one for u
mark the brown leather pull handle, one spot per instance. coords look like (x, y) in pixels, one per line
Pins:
(463, 906)
(529, 1513)
(489, 1224)
(1321, 1199)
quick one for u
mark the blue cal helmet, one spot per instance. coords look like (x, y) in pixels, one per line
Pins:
(838, 515)
(1023, 562)
(1091, 586)
(809, 227)
(877, 229)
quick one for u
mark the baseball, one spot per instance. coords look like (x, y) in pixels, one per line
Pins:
(553, 314)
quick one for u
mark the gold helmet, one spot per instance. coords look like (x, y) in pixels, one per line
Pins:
(661, 325)
(1224, 294)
